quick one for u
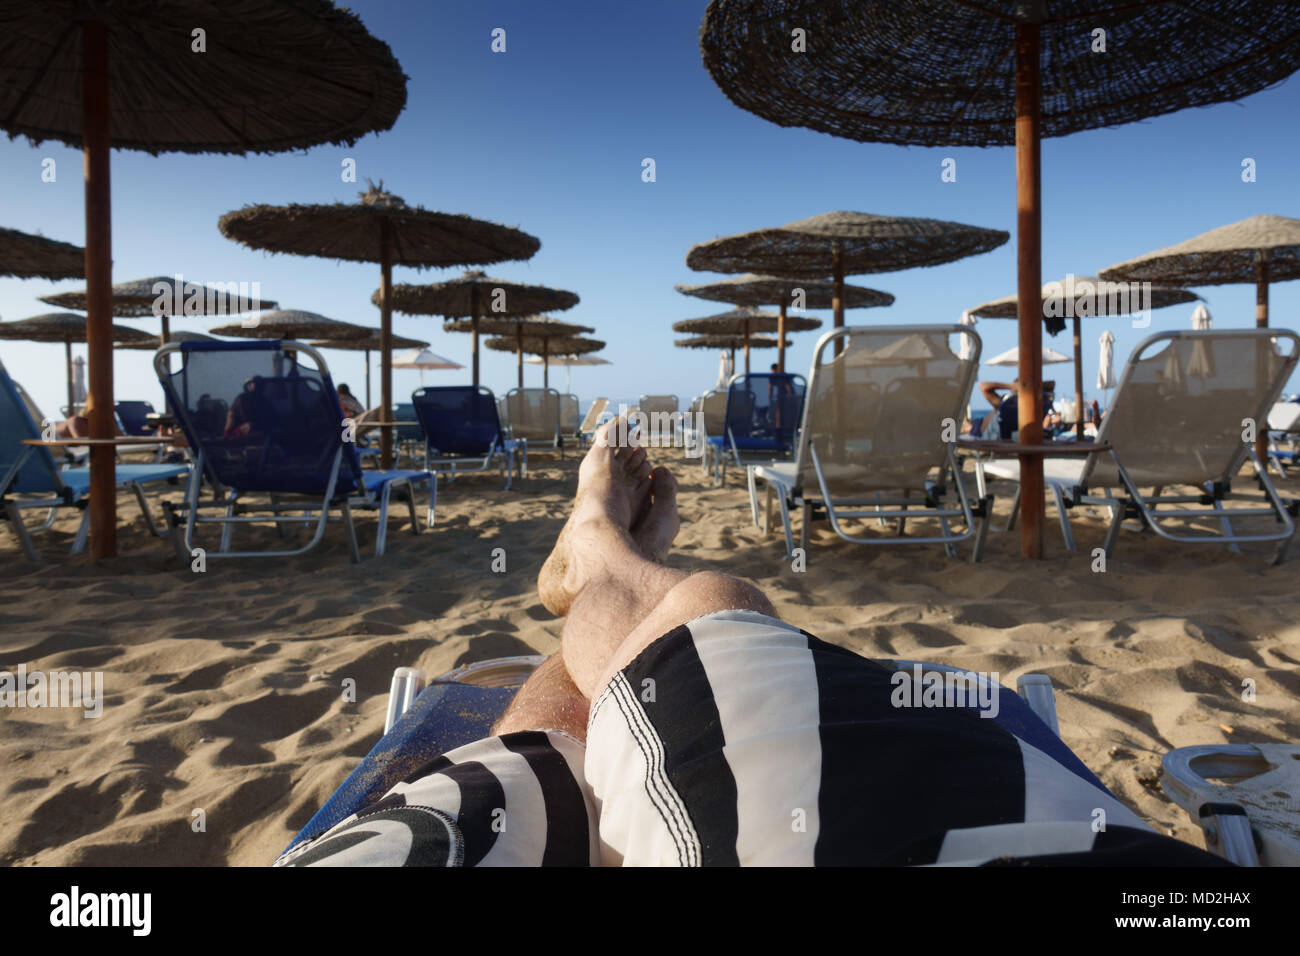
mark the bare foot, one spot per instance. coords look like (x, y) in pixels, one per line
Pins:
(614, 485)
(657, 524)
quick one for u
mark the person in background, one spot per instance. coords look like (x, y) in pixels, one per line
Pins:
(348, 402)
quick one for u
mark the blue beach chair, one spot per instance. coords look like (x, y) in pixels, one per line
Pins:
(461, 427)
(760, 424)
(424, 722)
(131, 415)
(260, 421)
(30, 478)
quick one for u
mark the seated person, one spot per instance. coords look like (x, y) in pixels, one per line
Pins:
(682, 723)
(348, 402)
(1007, 409)
(251, 415)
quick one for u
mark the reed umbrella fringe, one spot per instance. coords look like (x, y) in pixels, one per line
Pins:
(314, 75)
(751, 289)
(956, 59)
(67, 327)
(26, 256)
(474, 295)
(527, 341)
(166, 296)
(292, 324)
(368, 344)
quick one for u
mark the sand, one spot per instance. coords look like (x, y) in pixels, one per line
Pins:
(223, 689)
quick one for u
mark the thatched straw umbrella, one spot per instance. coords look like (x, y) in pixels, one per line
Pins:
(380, 228)
(35, 257)
(743, 322)
(271, 75)
(519, 329)
(545, 345)
(474, 294)
(166, 296)
(1077, 297)
(837, 244)
(368, 344)
(67, 327)
(150, 344)
(756, 290)
(1261, 249)
(292, 324)
(731, 342)
(917, 72)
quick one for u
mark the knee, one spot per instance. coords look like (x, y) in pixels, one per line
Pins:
(705, 592)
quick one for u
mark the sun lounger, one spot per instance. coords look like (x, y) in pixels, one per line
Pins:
(1180, 418)
(880, 420)
(534, 418)
(570, 416)
(463, 431)
(31, 479)
(760, 424)
(132, 416)
(1244, 797)
(661, 412)
(461, 706)
(592, 420)
(283, 436)
(1283, 428)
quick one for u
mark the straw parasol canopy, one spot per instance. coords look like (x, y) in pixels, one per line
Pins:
(150, 343)
(1080, 297)
(261, 76)
(751, 289)
(292, 324)
(165, 296)
(368, 343)
(35, 257)
(842, 243)
(744, 321)
(731, 342)
(518, 328)
(380, 228)
(1261, 249)
(928, 73)
(566, 362)
(67, 327)
(475, 293)
(532, 343)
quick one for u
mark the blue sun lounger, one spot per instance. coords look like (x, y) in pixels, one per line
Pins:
(462, 431)
(260, 421)
(761, 422)
(424, 722)
(31, 479)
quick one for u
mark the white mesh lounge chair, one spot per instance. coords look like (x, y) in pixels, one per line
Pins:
(1244, 797)
(1180, 418)
(592, 420)
(880, 419)
(570, 416)
(534, 417)
(660, 413)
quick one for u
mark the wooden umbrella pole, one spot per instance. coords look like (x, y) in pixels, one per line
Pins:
(166, 330)
(386, 343)
(780, 338)
(1029, 284)
(746, 346)
(473, 311)
(1261, 360)
(99, 282)
(837, 292)
(546, 363)
(519, 351)
(1078, 379)
(72, 395)
(367, 354)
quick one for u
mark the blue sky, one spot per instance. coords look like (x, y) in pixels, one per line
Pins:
(550, 136)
